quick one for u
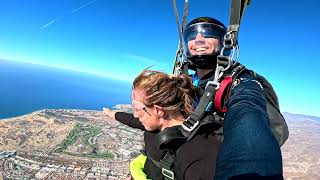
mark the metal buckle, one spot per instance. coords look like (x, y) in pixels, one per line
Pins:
(213, 83)
(191, 128)
(167, 173)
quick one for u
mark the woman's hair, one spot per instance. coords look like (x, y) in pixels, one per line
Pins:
(172, 93)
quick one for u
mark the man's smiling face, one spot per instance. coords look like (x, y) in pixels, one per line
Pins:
(203, 46)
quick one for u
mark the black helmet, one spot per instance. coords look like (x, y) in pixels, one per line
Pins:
(208, 28)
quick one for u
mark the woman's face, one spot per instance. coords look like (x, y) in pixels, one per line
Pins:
(147, 116)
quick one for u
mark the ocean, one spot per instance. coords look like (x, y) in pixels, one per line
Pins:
(25, 88)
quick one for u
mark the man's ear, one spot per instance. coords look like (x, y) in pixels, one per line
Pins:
(159, 111)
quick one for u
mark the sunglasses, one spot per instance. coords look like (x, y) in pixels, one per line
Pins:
(207, 30)
(139, 107)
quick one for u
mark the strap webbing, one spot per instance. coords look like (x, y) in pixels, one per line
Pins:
(178, 21)
(237, 10)
(219, 99)
(192, 122)
(167, 163)
(185, 15)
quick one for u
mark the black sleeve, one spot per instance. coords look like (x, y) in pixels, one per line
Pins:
(129, 120)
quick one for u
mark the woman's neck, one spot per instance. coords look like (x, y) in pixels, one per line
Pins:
(172, 122)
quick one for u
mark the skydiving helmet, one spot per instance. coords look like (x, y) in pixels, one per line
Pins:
(208, 28)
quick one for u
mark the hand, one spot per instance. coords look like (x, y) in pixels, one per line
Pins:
(109, 113)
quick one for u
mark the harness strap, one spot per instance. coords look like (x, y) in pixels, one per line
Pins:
(155, 162)
(222, 92)
(167, 165)
(170, 138)
(191, 123)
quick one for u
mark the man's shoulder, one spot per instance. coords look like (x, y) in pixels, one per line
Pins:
(247, 73)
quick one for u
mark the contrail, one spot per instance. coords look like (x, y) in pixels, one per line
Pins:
(75, 10)
(48, 24)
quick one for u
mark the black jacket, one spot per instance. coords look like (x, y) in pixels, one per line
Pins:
(151, 148)
(195, 159)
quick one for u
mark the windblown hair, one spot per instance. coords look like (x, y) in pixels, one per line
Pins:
(172, 93)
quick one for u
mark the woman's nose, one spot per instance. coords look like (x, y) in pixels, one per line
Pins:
(135, 114)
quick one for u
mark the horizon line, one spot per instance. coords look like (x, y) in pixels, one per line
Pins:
(61, 67)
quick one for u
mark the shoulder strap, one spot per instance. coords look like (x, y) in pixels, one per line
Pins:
(170, 138)
(167, 164)
(223, 93)
(191, 124)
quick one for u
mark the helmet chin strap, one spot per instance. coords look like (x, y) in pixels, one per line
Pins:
(208, 61)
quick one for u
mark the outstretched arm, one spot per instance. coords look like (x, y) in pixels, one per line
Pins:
(249, 146)
(125, 118)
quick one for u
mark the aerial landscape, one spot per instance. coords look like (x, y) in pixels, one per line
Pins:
(79, 144)
(62, 62)
(84, 144)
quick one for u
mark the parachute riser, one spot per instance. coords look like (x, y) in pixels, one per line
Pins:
(179, 60)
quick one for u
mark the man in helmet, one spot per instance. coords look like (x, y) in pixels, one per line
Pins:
(249, 149)
(203, 38)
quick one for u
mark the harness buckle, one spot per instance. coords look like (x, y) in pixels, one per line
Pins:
(190, 128)
(216, 83)
(167, 173)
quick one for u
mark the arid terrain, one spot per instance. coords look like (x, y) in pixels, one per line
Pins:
(301, 157)
(67, 144)
(82, 144)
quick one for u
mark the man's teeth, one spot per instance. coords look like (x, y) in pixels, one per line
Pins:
(200, 49)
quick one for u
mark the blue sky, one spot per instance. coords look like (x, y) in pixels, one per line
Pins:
(119, 38)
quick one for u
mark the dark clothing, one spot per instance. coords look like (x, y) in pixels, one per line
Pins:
(195, 159)
(151, 147)
(249, 148)
(153, 152)
(200, 84)
(129, 120)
